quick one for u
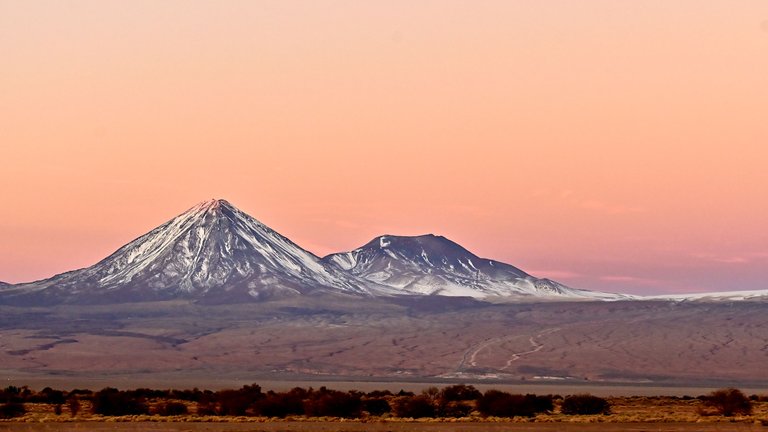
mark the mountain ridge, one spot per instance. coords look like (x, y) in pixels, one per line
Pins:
(212, 251)
(435, 265)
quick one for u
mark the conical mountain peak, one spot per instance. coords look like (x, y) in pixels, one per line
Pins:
(215, 252)
(212, 251)
(211, 206)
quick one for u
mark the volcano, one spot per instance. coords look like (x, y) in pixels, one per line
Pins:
(435, 265)
(213, 251)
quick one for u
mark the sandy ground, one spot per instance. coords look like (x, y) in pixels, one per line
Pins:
(186, 345)
(376, 427)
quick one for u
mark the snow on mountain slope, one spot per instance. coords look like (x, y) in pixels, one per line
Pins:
(214, 252)
(434, 265)
(713, 296)
(211, 251)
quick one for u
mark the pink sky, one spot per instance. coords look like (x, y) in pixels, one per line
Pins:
(619, 146)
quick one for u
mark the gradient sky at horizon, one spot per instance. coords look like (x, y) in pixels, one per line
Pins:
(617, 146)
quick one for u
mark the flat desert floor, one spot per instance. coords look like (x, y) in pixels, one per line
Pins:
(627, 414)
(183, 345)
(380, 427)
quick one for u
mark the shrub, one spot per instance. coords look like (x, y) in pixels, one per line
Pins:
(585, 404)
(281, 404)
(49, 396)
(205, 408)
(334, 404)
(171, 408)
(11, 410)
(226, 402)
(541, 403)
(460, 392)
(414, 406)
(112, 402)
(728, 402)
(376, 406)
(233, 403)
(147, 393)
(502, 404)
(11, 394)
(454, 409)
(73, 403)
(194, 395)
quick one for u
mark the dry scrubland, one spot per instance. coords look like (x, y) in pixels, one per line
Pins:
(662, 343)
(711, 345)
(627, 414)
(324, 426)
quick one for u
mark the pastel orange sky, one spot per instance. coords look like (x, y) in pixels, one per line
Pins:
(618, 146)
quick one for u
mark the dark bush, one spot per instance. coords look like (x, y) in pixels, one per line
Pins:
(585, 404)
(414, 407)
(233, 403)
(729, 402)
(502, 404)
(229, 402)
(11, 390)
(11, 394)
(49, 396)
(456, 409)
(205, 408)
(112, 402)
(15, 394)
(73, 403)
(281, 404)
(193, 395)
(145, 393)
(376, 406)
(460, 392)
(12, 409)
(171, 408)
(541, 404)
(333, 404)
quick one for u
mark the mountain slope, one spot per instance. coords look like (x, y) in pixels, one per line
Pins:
(212, 251)
(713, 296)
(216, 253)
(434, 265)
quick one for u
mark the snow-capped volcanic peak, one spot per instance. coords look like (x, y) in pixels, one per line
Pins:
(212, 250)
(427, 252)
(207, 246)
(430, 264)
(217, 253)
